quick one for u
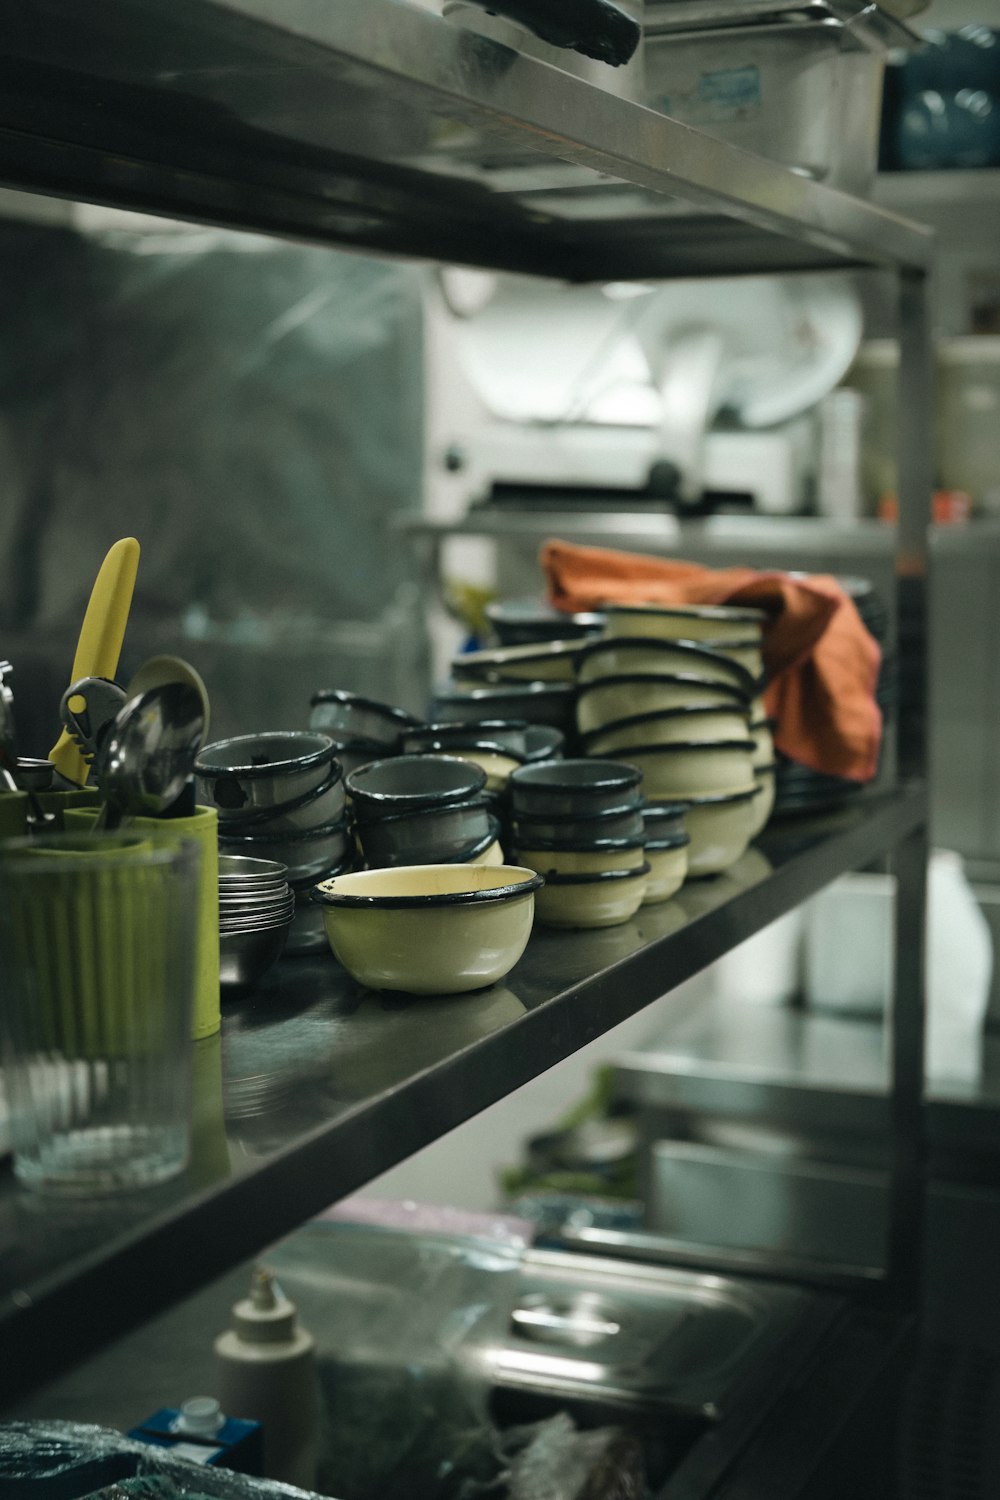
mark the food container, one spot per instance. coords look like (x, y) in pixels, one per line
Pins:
(618, 823)
(721, 827)
(573, 788)
(803, 88)
(548, 661)
(307, 853)
(512, 734)
(764, 779)
(427, 835)
(538, 702)
(552, 858)
(524, 622)
(430, 929)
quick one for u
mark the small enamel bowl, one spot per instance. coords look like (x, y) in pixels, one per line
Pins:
(684, 770)
(718, 624)
(665, 728)
(608, 699)
(601, 899)
(627, 655)
(573, 788)
(254, 773)
(408, 783)
(764, 776)
(306, 853)
(721, 827)
(497, 760)
(619, 823)
(603, 854)
(512, 734)
(430, 929)
(663, 820)
(538, 702)
(543, 742)
(427, 835)
(668, 865)
(549, 661)
(526, 622)
(349, 716)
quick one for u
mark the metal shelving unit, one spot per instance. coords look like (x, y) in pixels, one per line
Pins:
(380, 128)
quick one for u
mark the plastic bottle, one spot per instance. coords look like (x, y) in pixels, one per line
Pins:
(266, 1369)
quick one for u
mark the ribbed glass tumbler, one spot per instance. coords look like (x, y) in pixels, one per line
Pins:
(97, 970)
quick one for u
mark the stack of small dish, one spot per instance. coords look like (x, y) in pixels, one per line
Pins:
(423, 810)
(256, 906)
(280, 797)
(673, 691)
(580, 824)
(362, 729)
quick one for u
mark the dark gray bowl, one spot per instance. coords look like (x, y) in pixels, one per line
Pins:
(426, 836)
(508, 734)
(624, 823)
(408, 783)
(349, 716)
(571, 788)
(538, 702)
(254, 772)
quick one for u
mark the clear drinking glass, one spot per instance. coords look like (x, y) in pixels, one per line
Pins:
(97, 970)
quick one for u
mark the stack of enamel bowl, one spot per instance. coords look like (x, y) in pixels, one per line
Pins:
(362, 729)
(534, 682)
(423, 810)
(673, 691)
(256, 906)
(580, 824)
(280, 797)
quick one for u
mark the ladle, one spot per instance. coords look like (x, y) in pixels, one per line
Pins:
(147, 756)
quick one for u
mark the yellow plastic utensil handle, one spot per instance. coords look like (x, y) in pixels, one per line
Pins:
(100, 642)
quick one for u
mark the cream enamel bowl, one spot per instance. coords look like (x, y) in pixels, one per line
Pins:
(764, 776)
(721, 827)
(746, 654)
(692, 769)
(668, 867)
(608, 699)
(603, 854)
(717, 623)
(602, 899)
(671, 726)
(430, 929)
(627, 655)
(763, 743)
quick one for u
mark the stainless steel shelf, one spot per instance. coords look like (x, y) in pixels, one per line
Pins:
(319, 1086)
(383, 127)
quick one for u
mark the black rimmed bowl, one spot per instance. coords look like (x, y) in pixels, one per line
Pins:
(602, 899)
(607, 699)
(573, 788)
(549, 661)
(430, 929)
(578, 857)
(538, 702)
(721, 826)
(716, 624)
(668, 866)
(350, 716)
(410, 783)
(253, 773)
(668, 726)
(512, 734)
(315, 809)
(641, 654)
(352, 753)
(543, 742)
(426, 835)
(626, 822)
(526, 622)
(306, 853)
(664, 820)
(692, 768)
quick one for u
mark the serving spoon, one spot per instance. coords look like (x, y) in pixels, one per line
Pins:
(147, 756)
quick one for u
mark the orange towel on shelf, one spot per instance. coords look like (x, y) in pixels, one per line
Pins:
(822, 663)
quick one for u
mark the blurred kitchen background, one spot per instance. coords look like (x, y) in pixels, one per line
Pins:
(331, 461)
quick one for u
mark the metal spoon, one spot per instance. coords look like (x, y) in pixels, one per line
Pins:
(147, 756)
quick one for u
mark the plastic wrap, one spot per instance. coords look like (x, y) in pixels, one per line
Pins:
(69, 1460)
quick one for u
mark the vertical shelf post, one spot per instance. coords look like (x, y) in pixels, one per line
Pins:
(915, 417)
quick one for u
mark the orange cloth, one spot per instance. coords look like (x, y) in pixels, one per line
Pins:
(821, 662)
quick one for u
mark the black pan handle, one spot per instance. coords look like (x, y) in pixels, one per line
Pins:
(596, 28)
